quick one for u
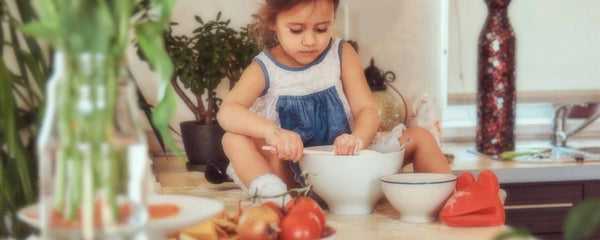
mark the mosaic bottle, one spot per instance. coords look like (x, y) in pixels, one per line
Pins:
(496, 91)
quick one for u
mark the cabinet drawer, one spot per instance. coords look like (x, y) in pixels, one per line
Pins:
(538, 220)
(542, 193)
(549, 236)
(592, 190)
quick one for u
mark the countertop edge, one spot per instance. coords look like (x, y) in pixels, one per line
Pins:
(542, 174)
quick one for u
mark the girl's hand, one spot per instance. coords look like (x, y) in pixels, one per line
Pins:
(347, 144)
(288, 144)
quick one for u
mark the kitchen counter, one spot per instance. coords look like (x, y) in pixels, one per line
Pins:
(383, 223)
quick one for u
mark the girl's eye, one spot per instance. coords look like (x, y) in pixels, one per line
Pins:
(322, 30)
(296, 31)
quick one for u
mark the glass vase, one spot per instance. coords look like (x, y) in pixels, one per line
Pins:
(92, 151)
(496, 92)
(391, 112)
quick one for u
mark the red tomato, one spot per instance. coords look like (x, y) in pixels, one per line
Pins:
(275, 208)
(306, 204)
(300, 225)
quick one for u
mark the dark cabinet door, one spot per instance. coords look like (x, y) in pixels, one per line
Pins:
(591, 190)
(542, 208)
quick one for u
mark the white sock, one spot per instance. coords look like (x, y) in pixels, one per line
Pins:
(268, 185)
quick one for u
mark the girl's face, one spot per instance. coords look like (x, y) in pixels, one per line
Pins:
(304, 31)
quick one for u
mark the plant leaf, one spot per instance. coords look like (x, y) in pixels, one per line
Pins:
(47, 10)
(13, 142)
(4, 189)
(165, 7)
(161, 116)
(34, 69)
(582, 220)
(1, 35)
(123, 12)
(143, 104)
(43, 30)
(17, 45)
(154, 51)
(28, 14)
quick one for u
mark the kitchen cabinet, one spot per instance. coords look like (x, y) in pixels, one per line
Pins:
(542, 207)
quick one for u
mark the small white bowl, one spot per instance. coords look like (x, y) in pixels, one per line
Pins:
(350, 184)
(418, 197)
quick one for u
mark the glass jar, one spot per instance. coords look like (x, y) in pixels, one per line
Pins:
(92, 151)
(390, 111)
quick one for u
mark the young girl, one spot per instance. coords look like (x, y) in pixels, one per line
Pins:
(305, 89)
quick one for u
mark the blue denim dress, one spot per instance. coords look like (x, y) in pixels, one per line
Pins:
(309, 100)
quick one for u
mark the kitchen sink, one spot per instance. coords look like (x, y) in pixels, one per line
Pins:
(557, 155)
(579, 154)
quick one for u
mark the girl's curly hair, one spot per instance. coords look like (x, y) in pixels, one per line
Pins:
(259, 28)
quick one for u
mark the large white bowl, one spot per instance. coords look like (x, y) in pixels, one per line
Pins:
(418, 197)
(350, 184)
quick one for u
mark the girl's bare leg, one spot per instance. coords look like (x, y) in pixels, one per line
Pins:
(249, 162)
(424, 152)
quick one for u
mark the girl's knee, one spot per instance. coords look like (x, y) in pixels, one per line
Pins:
(417, 132)
(232, 139)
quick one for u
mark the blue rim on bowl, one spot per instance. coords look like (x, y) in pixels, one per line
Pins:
(441, 175)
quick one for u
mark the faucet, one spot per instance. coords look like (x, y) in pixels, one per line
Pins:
(559, 133)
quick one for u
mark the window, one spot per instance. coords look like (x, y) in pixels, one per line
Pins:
(557, 59)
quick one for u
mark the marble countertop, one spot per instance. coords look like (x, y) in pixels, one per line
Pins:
(383, 223)
(173, 178)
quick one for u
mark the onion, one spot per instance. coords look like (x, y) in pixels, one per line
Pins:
(258, 223)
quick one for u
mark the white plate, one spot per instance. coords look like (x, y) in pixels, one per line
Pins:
(193, 210)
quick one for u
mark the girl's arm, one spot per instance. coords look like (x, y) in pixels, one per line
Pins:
(235, 117)
(234, 114)
(362, 104)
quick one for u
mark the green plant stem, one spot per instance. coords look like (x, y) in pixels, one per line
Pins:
(112, 79)
(303, 190)
(59, 181)
(111, 184)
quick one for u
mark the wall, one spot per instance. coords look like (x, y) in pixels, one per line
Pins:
(557, 44)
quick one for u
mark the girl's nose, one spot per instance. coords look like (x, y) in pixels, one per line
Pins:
(309, 39)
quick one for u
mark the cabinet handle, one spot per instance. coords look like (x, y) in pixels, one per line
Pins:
(548, 205)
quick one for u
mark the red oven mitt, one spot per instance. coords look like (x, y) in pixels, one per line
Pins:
(475, 203)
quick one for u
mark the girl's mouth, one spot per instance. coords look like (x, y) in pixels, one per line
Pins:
(307, 53)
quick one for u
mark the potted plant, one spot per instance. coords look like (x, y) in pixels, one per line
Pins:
(91, 151)
(213, 52)
(20, 108)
